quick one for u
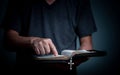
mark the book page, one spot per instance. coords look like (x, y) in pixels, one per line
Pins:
(71, 53)
(51, 57)
(68, 53)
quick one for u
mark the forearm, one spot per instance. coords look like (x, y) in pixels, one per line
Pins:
(22, 42)
(14, 39)
(86, 43)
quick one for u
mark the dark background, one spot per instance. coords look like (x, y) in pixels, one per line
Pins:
(106, 14)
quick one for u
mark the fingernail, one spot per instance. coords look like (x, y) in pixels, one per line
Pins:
(56, 54)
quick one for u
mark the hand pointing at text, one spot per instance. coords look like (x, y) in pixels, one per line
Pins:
(43, 46)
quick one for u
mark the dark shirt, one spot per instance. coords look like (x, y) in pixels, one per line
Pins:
(62, 21)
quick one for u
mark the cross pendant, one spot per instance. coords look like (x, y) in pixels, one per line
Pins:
(71, 63)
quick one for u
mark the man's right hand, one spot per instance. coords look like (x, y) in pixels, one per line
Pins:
(43, 46)
(40, 45)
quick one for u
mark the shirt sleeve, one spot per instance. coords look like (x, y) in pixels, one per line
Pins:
(84, 18)
(13, 19)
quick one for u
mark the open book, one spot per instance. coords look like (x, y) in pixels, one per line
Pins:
(67, 54)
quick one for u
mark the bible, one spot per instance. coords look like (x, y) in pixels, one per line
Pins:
(69, 57)
(68, 54)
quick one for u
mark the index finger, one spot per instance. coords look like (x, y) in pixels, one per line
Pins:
(53, 48)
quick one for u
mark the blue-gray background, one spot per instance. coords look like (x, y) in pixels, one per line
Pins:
(106, 14)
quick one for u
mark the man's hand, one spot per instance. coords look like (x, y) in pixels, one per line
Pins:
(43, 46)
(40, 45)
(85, 43)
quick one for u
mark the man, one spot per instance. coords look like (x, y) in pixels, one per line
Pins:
(49, 26)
